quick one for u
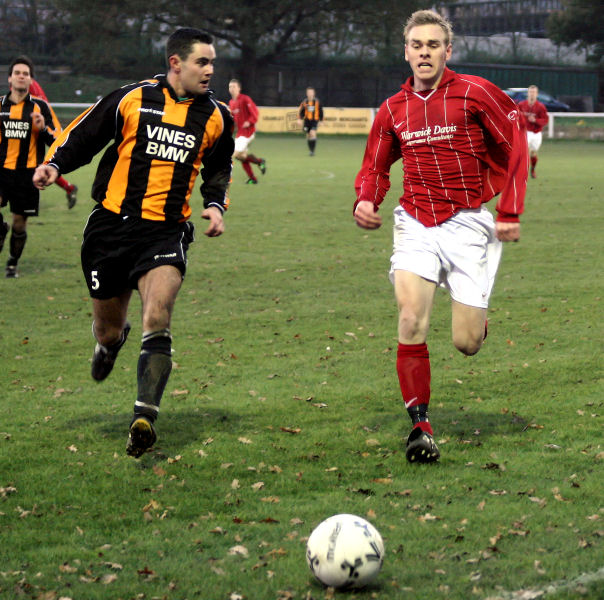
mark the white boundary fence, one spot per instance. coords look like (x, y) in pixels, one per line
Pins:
(353, 124)
(551, 131)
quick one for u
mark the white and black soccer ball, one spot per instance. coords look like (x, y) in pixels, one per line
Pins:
(345, 551)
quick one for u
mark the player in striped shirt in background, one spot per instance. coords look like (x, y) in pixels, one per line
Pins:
(27, 126)
(310, 114)
(462, 142)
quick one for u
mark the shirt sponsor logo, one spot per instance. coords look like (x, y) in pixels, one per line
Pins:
(16, 129)
(512, 116)
(431, 133)
(153, 111)
(169, 144)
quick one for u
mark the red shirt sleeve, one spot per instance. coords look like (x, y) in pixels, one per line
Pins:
(381, 152)
(252, 111)
(35, 89)
(507, 154)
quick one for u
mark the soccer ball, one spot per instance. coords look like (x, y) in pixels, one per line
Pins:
(345, 551)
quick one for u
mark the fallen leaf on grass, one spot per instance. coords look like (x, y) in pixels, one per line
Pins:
(152, 505)
(271, 499)
(293, 430)
(540, 501)
(519, 532)
(428, 517)
(108, 578)
(67, 568)
(383, 480)
(244, 440)
(235, 485)
(218, 530)
(159, 471)
(5, 491)
(258, 485)
(239, 551)
(179, 393)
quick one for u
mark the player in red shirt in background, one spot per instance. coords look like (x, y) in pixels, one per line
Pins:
(70, 189)
(245, 114)
(536, 117)
(462, 142)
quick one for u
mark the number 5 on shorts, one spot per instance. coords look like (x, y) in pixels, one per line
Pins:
(94, 279)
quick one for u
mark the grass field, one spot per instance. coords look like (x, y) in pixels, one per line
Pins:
(283, 407)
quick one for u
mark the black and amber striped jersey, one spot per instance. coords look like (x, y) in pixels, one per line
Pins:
(311, 110)
(159, 144)
(22, 146)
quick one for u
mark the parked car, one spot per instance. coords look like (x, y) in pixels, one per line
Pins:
(552, 105)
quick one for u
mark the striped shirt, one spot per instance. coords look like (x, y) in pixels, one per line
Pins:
(21, 146)
(461, 144)
(311, 110)
(538, 111)
(159, 144)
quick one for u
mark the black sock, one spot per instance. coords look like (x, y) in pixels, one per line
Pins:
(16, 245)
(153, 371)
(312, 144)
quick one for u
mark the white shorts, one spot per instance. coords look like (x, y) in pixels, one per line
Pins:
(242, 142)
(462, 254)
(534, 140)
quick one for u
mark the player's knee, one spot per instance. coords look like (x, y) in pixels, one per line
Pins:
(106, 333)
(467, 343)
(410, 325)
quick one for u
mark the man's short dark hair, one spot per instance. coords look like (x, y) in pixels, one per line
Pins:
(182, 40)
(21, 60)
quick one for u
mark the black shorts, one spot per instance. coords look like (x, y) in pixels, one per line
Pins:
(117, 251)
(310, 124)
(17, 190)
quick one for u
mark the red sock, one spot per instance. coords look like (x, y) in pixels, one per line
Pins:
(248, 169)
(413, 368)
(62, 182)
(533, 162)
(254, 159)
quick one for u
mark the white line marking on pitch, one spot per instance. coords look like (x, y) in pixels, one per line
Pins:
(551, 588)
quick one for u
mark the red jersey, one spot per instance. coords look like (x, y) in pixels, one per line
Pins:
(244, 109)
(538, 111)
(461, 144)
(35, 89)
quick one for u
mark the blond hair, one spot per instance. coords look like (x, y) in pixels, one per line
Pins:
(429, 17)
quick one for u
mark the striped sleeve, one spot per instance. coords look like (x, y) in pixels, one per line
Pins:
(382, 150)
(88, 134)
(507, 151)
